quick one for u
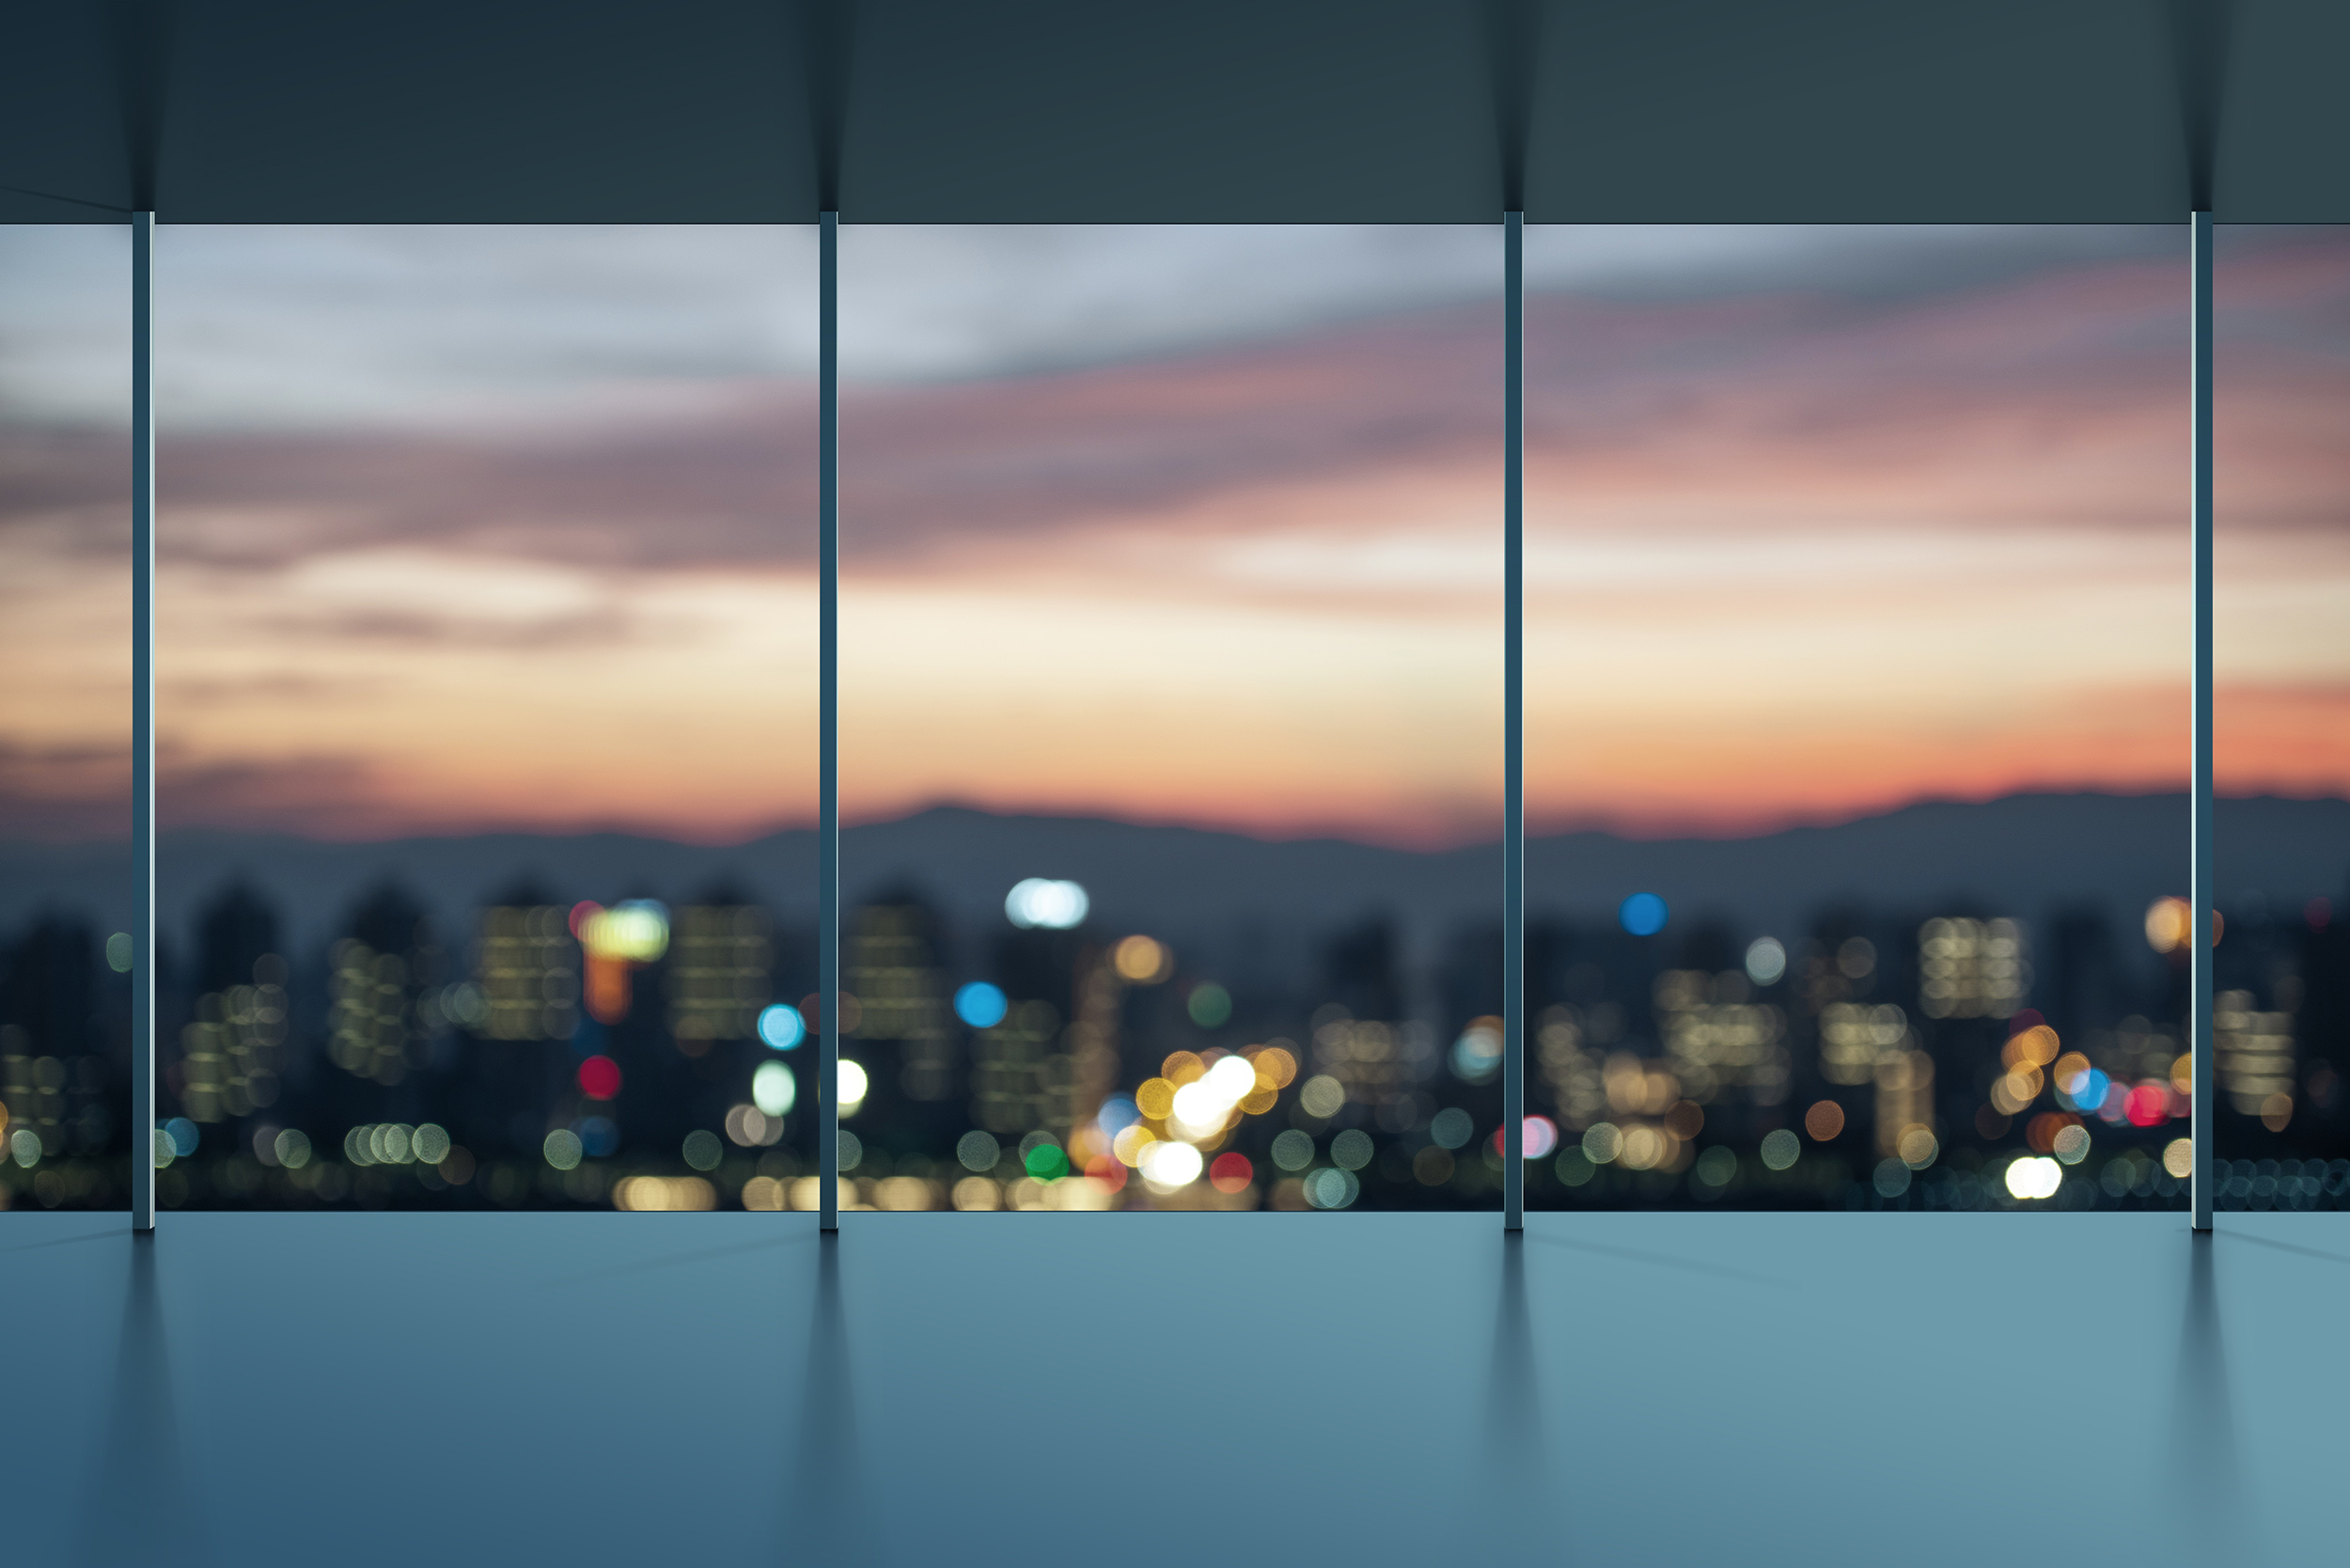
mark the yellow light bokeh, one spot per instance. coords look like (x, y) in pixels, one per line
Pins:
(2167, 923)
(2037, 1046)
(978, 1194)
(1155, 1099)
(1143, 961)
(1275, 1066)
(664, 1194)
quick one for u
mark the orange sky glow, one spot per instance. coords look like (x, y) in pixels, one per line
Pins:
(1792, 556)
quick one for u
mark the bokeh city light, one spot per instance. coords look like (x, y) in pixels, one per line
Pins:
(1203, 635)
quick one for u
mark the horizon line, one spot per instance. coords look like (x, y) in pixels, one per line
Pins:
(1579, 828)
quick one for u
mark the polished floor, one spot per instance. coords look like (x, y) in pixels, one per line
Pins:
(1128, 1390)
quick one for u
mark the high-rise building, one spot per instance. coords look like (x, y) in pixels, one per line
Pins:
(2322, 1021)
(1721, 1043)
(1870, 1045)
(525, 971)
(1904, 1106)
(1974, 980)
(1360, 1036)
(380, 985)
(892, 969)
(2253, 1055)
(230, 1049)
(1095, 1033)
(1375, 1060)
(1969, 969)
(53, 1075)
(1578, 1093)
(1024, 1069)
(1020, 1077)
(1856, 1036)
(721, 961)
(2082, 987)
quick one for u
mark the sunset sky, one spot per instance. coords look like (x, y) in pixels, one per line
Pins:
(474, 528)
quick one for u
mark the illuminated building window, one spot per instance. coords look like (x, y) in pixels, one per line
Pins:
(1861, 1043)
(2139, 1051)
(372, 1027)
(32, 1091)
(1019, 1081)
(719, 964)
(902, 994)
(1651, 1124)
(2253, 1056)
(1093, 1038)
(1377, 1062)
(528, 974)
(1904, 1105)
(1718, 1041)
(1971, 968)
(1573, 1072)
(1856, 1036)
(230, 1053)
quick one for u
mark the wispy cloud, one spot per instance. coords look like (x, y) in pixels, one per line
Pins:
(64, 792)
(328, 795)
(1810, 532)
(337, 326)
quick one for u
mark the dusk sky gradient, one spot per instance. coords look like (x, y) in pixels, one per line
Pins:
(465, 529)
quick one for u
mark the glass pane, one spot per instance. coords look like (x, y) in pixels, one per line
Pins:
(1858, 652)
(1170, 691)
(486, 674)
(65, 715)
(2281, 667)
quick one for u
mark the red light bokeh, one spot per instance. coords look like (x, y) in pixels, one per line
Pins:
(600, 1078)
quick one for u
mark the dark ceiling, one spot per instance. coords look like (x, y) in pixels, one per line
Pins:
(1232, 111)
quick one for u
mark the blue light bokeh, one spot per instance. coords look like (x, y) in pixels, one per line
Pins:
(781, 1026)
(1642, 914)
(980, 1005)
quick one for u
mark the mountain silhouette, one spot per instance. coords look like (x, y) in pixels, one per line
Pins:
(2022, 854)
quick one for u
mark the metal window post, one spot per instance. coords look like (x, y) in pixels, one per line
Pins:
(1513, 725)
(2200, 871)
(828, 722)
(142, 722)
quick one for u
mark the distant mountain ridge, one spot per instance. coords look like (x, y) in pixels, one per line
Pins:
(2021, 855)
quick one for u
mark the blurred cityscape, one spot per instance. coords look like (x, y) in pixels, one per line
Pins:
(488, 577)
(638, 1055)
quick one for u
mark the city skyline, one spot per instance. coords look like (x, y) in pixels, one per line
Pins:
(535, 1053)
(1816, 526)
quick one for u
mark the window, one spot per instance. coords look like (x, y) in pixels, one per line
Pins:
(1859, 640)
(1171, 738)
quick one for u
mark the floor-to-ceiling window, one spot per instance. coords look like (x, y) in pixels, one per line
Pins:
(1859, 652)
(2281, 753)
(65, 760)
(486, 693)
(1170, 684)
(1171, 713)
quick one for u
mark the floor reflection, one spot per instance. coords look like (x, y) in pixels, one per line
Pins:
(2206, 1476)
(1661, 1260)
(832, 1521)
(1513, 1460)
(139, 1510)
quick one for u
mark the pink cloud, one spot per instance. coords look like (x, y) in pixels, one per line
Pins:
(2052, 400)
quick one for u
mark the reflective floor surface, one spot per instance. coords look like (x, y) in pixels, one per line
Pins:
(419, 1389)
